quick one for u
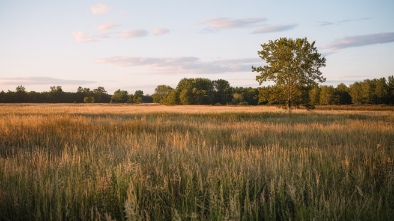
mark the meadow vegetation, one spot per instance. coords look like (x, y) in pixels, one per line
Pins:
(124, 162)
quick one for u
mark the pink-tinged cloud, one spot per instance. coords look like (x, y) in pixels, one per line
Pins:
(106, 27)
(160, 31)
(361, 40)
(274, 28)
(85, 38)
(80, 36)
(100, 9)
(134, 33)
(228, 23)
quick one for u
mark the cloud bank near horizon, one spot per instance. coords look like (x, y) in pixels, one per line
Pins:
(191, 65)
(41, 81)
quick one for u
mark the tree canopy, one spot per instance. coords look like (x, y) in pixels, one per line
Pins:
(293, 65)
(120, 96)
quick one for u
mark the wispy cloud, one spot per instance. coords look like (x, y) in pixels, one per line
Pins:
(274, 28)
(40, 81)
(80, 36)
(160, 31)
(327, 23)
(84, 37)
(133, 33)
(100, 9)
(184, 64)
(106, 27)
(228, 23)
(361, 40)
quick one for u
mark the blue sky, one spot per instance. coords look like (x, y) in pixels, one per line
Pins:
(137, 45)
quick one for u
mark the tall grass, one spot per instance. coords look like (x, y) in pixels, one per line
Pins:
(102, 162)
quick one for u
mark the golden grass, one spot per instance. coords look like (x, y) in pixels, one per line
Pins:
(128, 109)
(78, 162)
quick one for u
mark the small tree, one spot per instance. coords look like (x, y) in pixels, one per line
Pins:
(314, 95)
(222, 91)
(294, 67)
(138, 96)
(172, 98)
(100, 94)
(161, 93)
(195, 91)
(21, 94)
(327, 95)
(56, 93)
(341, 95)
(120, 96)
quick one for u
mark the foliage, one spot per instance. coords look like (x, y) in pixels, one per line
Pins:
(21, 93)
(138, 94)
(186, 97)
(222, 92)
(375, 91)
(341, 95)
(120, 96)
(100, 95)
(326, 95)
(56, 93)
(293, 66)
(314, 95)
(245, 96)
(172, 98)
(88, 99)
(195, 91)
(161, 93)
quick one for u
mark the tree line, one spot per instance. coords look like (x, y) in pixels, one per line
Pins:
(203, 91)
(82, 95)
(375, 91)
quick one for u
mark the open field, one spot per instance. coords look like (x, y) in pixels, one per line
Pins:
(123, 162)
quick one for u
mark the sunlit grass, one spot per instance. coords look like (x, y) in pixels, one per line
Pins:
(78, 162)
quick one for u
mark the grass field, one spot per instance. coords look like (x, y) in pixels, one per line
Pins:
(123, 162)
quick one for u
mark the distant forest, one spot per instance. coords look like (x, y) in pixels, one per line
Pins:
(202, 91)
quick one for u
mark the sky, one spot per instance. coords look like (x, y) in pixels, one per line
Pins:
(140, 44)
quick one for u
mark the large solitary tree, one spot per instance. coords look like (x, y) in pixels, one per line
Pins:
(293, 65)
